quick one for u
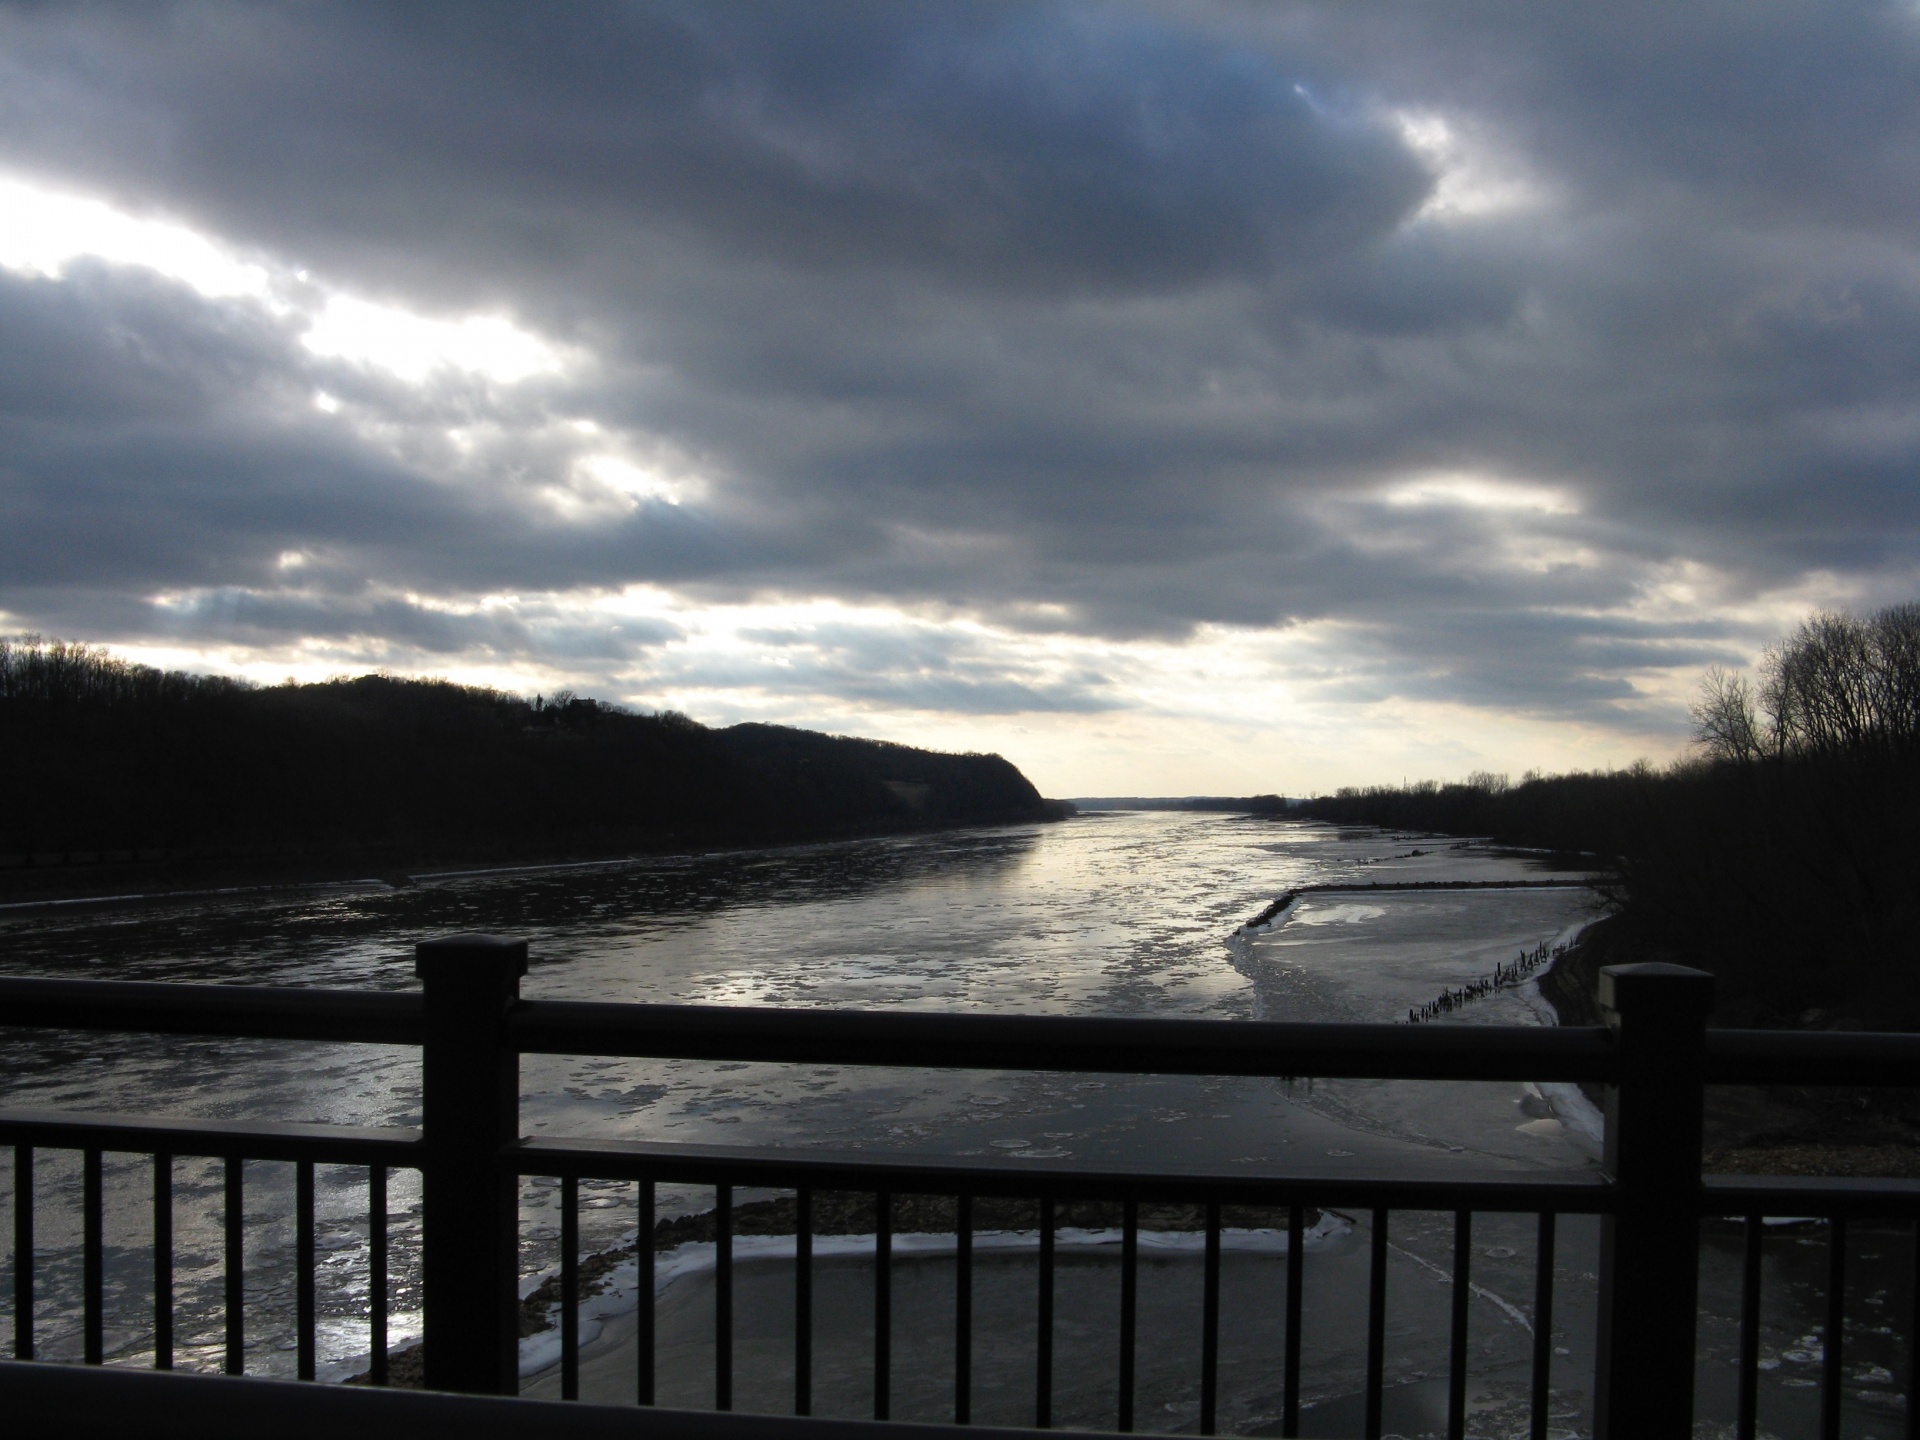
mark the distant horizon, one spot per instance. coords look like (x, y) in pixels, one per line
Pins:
(1215, 399)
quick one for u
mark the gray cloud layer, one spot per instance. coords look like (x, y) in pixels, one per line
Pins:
(1089, 318)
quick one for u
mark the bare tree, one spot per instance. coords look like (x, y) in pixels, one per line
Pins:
(1724, 719)
(1839, 685)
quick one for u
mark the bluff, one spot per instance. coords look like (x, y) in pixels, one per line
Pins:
(112, 763)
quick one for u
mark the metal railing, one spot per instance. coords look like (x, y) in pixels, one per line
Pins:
(1654, 1057)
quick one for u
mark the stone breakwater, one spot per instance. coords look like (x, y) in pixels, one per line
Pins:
(1347, 887)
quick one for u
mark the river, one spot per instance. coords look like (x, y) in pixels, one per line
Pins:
(1112, 914)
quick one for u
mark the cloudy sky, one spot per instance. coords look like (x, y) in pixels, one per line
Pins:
(1173, 398)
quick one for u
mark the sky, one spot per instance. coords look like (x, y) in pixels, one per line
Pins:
(1184, 398)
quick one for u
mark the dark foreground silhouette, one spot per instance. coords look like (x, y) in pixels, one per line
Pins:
(112, 764)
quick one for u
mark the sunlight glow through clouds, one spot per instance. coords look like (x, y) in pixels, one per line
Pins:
(42, 232)
(1471, 182)
(604, 486)
(414, 346)
(637, 482)
(1517, 526)
(1466, 491)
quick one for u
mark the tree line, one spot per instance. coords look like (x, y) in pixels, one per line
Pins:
(1782, 853)
(108, 758)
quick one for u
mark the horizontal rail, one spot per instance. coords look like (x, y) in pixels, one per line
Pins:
(1816, 1197)
(1822, 1057)
(984, 1042)
(261, 1012)
(1480, 1189)
(1477, 1188)
(70, 1401)
(1061, 1042)
(323, 1144)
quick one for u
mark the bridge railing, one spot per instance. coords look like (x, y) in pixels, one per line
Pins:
(1654, 1057)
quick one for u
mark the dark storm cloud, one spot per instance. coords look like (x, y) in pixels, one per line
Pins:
(153, 440)
(246, 616)
(1089, 318)
(442, 145)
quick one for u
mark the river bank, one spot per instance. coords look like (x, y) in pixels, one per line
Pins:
(106, 880)
(1755, 1130)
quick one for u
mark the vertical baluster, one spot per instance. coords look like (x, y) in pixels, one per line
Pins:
(163, 1261)
(569, 1287)
(234, 1222)
(1296, 1275)
(92, 1259)
(882, 1305)
(23, 1252)
(1129, 1306)
(1210, 1323)
(1834, 1380)
(1376, 1323)
(1746, 1418)
(803, 1302)
(723, 1297)
(1457, 1343)
(305, 1323)
(643, 1314)
(377, 1271)
(963, 1310)
(1043, 1361)
(1542, 1324)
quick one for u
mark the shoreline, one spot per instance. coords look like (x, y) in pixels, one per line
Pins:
(267, 875)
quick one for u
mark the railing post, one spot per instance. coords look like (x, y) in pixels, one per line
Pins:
(470, 1262)
(1650, 1244)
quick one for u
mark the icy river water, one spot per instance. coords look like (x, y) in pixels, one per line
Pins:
(1112, 914)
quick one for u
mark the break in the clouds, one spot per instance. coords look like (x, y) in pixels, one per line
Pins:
(1192, 396)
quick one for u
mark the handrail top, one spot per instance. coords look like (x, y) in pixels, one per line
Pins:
(1116, 1044)
(932, 1039)
(263, 1012)
(1061, 1043)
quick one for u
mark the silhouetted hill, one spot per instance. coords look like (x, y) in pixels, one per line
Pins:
(110, 760)
(847, 782)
